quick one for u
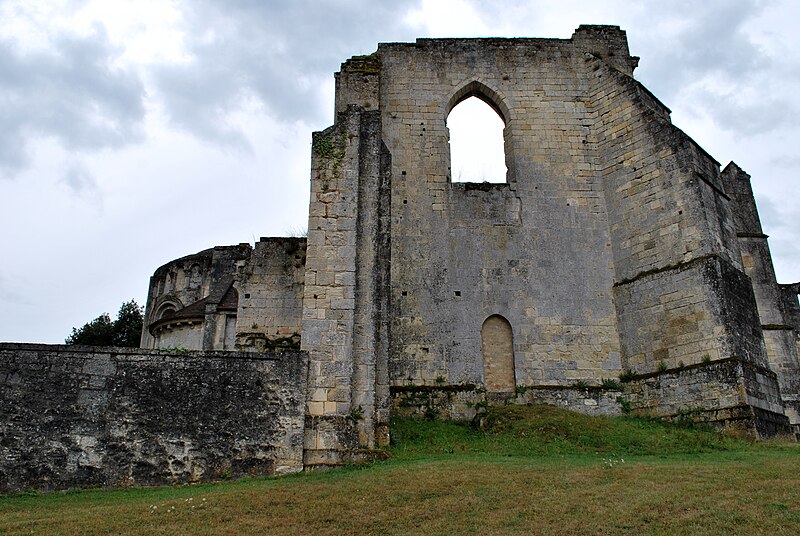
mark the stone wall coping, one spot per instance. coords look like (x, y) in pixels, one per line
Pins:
(122, 351)
(734, 360)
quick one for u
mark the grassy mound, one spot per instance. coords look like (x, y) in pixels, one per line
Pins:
(536, 430)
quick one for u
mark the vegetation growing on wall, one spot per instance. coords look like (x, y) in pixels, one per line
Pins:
(324, 146)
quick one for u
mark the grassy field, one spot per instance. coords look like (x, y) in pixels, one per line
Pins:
(534, 470)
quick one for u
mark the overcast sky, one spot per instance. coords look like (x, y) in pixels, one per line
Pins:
(136, 132)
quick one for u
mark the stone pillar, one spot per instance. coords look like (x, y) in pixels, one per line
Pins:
(370, 387)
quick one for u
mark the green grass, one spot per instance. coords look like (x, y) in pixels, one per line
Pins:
(542, 430)
(534, 470)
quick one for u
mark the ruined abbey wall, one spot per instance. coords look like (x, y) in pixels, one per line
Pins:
(776, 304)
(611, 249)
(229, 298)
(534, 250)
(671, 232)
(192, 301)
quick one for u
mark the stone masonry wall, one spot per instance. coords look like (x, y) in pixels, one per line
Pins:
(77, 416)
(791, 306)
(666, 205)
(535, 250)
(464, 402)
(680, 317)
(673, 235)
(775, 313)
(185, 281)
(271, 295)
(186, 336)
(329, 298)
(345, 300)
(611, 245)
(370, 388)
(730, 393)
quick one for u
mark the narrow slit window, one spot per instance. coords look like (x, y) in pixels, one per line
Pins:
(477, 149)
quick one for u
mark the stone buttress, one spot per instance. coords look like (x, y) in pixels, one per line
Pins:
(346, 299)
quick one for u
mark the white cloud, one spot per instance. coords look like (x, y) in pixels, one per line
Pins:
(79, 179)
(70, 93)
(447, 18)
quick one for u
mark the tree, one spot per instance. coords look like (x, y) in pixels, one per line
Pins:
(126, 330)
(128, 326)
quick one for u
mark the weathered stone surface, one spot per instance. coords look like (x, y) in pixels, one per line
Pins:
(730, 393)
(777, 304)
(463, 402)
(613, 245)
(89, 417)
(270, 287)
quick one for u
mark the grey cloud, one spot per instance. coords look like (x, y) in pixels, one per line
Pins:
(704, 39)
(698, 52)
(277, 52)
(753, 117)
(80, 180)
(199, 98)
(786, 253)
(712, 61)
(71, 93)
(769, 214)
(780, 222)
(785, 161)
(9, 294)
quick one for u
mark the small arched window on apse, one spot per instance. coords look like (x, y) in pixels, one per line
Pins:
(497, 345)
(476, 125)
(166, 310)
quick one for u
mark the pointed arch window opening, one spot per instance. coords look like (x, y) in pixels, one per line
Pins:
(476, 128)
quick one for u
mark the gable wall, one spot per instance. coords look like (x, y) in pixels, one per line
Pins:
(535, 250)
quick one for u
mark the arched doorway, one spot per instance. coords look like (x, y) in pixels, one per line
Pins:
(497, 344)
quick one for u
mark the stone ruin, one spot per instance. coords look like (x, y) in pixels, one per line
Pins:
(616, 268)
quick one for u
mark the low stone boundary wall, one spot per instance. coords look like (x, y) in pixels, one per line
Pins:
(463, 402)
(452, 402)
(587, 400)
(730, 394)
(73, 416)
